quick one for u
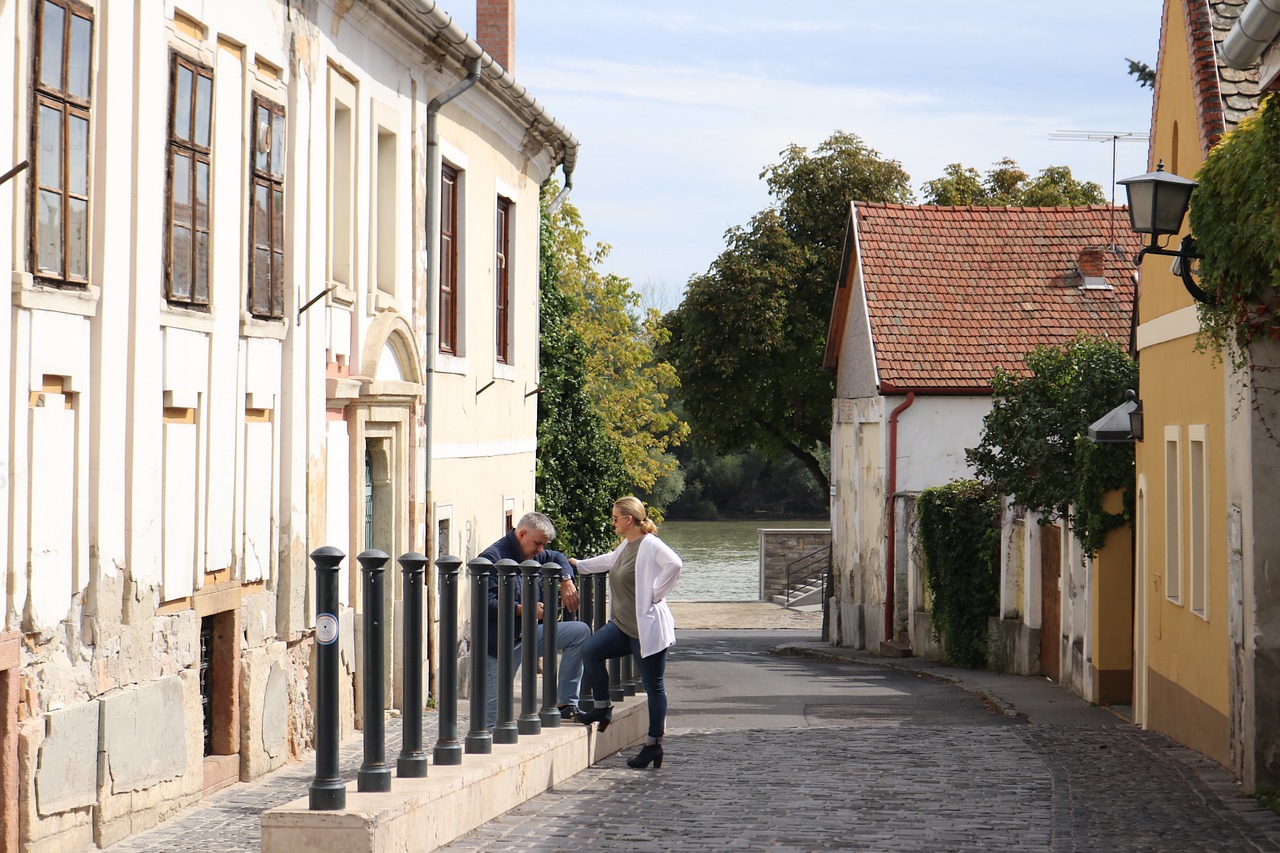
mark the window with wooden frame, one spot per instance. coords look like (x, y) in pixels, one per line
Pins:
(448, 259)
(61, 64)
(187, 225)
(266, 212)
(502, 268)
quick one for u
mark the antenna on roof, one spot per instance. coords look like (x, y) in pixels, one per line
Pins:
(1112, 136)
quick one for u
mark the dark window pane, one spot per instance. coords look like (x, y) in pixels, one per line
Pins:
(181, 189)
(204, 104)
(49, 227)
(277, 145)
(78, 238)
(200, 279)
(50, 148)
(260, 297)
(78, 155)
(52, 24)
(180, 263)
(277, 284)
(202, 195)
(182, 104)
(261, 233)
(277, 220)
(78, 53)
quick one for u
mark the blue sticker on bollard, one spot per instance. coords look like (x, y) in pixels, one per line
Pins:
(326, 628)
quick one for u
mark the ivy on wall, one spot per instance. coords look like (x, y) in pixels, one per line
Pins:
(1235, 217)
(959, 527)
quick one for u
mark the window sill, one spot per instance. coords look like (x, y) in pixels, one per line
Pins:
(451, 363)
(255, 327)
(503, 371)
(82, 302)
(191, 319)
(342, 296)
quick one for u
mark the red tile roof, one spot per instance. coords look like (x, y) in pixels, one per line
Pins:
(1223, 95)
(954, 292)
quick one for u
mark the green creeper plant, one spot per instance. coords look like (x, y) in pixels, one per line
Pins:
(959, 528)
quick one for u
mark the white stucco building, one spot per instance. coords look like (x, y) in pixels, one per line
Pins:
(250, 244)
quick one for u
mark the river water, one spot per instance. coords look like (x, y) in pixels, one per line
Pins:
(722, 558)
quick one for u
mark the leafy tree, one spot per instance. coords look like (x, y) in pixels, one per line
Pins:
(580, 470)
(747, 340)
(1145, 73)
(627, 383)
(1034, 443)
(1006, 184)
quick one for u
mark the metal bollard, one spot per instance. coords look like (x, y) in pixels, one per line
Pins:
(447, 750)
(587, 613)
(628, 675)
(327, 792)
(479, 741)
(504, 729)
(375, 773)
(529, 724)
(412, 763)
(550, 599)
(601, 603)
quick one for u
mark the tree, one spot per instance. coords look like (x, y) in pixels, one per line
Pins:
(1034, 443)
(580, 471)
(1006, 184)
(747, 340)
(628, 384)
(1145, 73)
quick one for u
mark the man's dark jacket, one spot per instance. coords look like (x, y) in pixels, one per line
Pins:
(508, 548)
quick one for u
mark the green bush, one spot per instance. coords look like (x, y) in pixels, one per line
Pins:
(959, 529)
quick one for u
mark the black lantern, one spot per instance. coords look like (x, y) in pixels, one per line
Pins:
(1121, 425)
(1158, 203)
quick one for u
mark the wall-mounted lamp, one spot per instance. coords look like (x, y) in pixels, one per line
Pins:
(1121, 425)
(1158, 202)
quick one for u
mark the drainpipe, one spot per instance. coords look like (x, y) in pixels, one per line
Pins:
(1252, 33)
(433, 270)
(893, 488)
(567, 166)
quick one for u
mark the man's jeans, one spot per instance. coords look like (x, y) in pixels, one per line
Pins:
(570, 637)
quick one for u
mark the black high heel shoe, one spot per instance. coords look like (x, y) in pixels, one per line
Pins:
(652, 752)
(603, 716)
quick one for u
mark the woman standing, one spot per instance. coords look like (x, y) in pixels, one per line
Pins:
(642, 572)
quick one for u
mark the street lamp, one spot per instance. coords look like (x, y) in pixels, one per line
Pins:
(1121, 425)
(1158, 202)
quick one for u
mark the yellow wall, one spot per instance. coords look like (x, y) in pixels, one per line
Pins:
(1187, 688)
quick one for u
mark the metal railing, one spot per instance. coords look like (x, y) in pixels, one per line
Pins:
(806, 572)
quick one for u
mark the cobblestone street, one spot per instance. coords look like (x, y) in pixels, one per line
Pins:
(826, 750)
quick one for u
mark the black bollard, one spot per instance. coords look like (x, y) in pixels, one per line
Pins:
(479, 741)
(628, 675)
(375, 773)
(448, 751)
(504, 729)
(327, 792)
(550, 599)
(601, 603)
(529, 724)
(412, 763)
(587, 613)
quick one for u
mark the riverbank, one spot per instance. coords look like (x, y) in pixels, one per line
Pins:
(746, 615)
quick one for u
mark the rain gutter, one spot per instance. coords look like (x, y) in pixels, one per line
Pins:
(1252, 33)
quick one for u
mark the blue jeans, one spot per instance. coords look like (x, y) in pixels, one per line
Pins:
(570, 638)
(610, 642)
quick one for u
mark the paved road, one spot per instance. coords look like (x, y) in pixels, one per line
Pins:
(803, 754)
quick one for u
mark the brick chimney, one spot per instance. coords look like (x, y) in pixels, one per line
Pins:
(496, 31)
(1093, 261)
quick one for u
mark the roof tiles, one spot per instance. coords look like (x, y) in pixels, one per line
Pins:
(954, 292)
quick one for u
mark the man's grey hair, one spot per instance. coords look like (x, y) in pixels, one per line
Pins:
(539, 522)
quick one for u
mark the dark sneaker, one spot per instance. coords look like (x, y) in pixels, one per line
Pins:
(567, 711)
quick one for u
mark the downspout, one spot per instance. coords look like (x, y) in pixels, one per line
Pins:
(433, 274)
(893, 488)
(567, 167)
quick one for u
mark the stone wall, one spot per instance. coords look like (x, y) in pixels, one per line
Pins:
(779, 547)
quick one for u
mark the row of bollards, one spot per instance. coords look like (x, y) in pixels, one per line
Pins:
(328, 790)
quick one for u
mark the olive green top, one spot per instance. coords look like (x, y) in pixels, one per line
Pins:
(622, 588)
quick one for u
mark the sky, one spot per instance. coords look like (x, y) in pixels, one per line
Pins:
(680, 104)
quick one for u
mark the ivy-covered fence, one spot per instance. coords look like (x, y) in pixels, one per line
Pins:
(959, 528)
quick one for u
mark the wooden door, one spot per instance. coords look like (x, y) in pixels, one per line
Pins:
(1050, 600)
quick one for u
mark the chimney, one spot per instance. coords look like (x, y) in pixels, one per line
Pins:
(1093, 260)
(496, 31)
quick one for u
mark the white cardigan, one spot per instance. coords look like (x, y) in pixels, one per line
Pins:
(657, 570)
